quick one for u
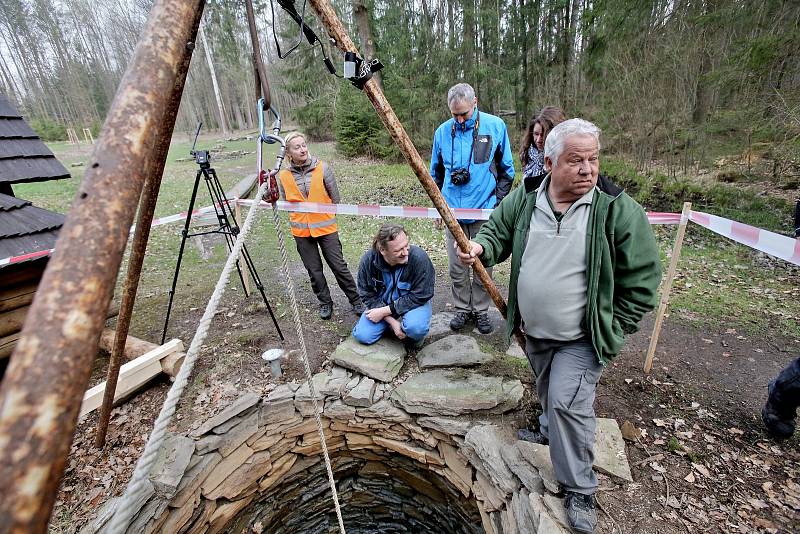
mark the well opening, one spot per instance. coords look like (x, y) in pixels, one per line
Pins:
(379, 491)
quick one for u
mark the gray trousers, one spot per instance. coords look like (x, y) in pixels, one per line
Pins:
(468, 294)
(331, 247)
(567, 373)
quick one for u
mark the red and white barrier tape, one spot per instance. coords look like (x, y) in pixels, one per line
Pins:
(774, 244)
(413, 212)
(780, 246)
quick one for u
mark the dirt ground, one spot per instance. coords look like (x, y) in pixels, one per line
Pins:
(701, 462)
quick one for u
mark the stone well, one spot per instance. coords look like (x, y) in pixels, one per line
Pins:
(435, 453)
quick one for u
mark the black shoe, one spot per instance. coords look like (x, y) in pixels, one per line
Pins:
(359, 308)
(581, 512)
(483, 322)
(776, 427)
(325, 311)
(533, 436)
(459, 320)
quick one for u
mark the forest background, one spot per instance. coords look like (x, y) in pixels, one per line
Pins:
(674, 84)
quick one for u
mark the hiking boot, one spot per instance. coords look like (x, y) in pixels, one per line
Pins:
(777, 427)
(359, 308)
(325, 311)
(483, 322)
(459, 320)
(581, 512)
(533, 436)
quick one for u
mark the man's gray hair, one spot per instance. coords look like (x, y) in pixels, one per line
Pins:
(554, 144)
(460, 92)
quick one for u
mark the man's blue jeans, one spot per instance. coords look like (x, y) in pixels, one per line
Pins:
(415, 323)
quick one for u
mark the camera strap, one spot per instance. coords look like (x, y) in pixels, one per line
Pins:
(474, 138)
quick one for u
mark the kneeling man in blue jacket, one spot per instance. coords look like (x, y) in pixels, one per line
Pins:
(395, 281)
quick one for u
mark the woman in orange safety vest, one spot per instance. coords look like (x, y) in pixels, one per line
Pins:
(310, 180)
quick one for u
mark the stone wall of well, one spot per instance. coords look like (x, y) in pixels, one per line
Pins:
(436, 452)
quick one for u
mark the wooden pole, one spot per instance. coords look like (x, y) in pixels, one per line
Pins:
(667, 287)
(373, 91)
(43, 388)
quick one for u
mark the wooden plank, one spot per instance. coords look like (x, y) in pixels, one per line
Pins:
(7, 344)
(18, 296)
(132, 376)
(135, 347)
(12, 321)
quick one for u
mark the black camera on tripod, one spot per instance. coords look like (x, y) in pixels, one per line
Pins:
(201, 157)
(460, 176)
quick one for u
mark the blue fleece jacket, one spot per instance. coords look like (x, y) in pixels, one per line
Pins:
(492, 166)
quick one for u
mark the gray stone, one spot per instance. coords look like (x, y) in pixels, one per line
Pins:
(524, 470)
(384, 411)
(539, 457)
(246, 401)
(446, 425)
(516, 351)
(381, 361)
(195, 477)
(452, 351)
(152, 509)
(483, 445)
(227, 443)
(547, 523)
(524, 516)
(278, 406)
(171, 463)
(609, 450)
(446, 392)
(302, 397)
(361, 395)
(336, 409)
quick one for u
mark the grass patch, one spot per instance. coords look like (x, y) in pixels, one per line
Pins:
(659, 192)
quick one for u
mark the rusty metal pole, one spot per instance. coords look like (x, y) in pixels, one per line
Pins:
(373, 91)
(44, 385)
(141, 236)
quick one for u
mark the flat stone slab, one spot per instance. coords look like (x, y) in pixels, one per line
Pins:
(457, 392)
(381, 361)
(516, 351)
(609, 450)
(452, 351)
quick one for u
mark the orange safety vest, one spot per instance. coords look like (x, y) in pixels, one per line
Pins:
(308, 224)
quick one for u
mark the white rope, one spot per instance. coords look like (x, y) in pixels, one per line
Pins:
(124, 511)
(299, 327)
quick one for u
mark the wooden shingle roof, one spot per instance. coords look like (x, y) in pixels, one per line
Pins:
(23, 156)
(24, 228)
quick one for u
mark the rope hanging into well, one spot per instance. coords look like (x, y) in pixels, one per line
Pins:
(124, 509)
(309, 379)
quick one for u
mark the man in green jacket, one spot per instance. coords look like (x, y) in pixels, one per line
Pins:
(585, 268)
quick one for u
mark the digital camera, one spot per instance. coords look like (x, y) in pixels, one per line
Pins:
(460, 176)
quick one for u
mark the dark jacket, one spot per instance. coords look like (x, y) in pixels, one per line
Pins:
(623, 268)
(415, 283)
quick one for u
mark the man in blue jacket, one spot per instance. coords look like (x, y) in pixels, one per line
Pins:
(395, 282)
(471, 163)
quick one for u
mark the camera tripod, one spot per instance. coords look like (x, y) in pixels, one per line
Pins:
(230, 231)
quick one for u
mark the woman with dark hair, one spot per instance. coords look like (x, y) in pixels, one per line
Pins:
(532, 151)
